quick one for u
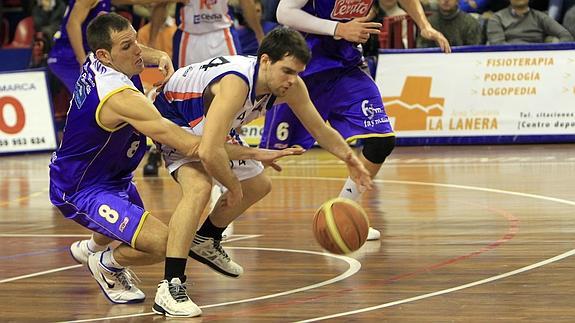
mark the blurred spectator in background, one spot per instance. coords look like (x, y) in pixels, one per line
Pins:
(159, 32)
(2, 31)
(270, 8)
(520, 24)
(47, 16)
(429, 5)
(248, 40)
(457, 26)
(481, 6)
(569, 20)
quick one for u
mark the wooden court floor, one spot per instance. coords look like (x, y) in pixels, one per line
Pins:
(470, 234)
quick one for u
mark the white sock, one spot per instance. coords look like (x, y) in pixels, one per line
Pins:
(108, 260)
(350, 190)
(93, 246)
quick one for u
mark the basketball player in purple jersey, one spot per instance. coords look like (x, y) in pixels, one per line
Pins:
(344, 95)
(103, 142)
(70, 46)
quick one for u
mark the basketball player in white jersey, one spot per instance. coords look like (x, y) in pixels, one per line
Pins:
(212, 99)
(205, 30)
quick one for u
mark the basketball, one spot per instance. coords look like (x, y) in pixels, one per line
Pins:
(340, 226)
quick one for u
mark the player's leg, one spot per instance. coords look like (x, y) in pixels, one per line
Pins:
(360, 115)
(206, 246)
(195, 185)
(108, 211)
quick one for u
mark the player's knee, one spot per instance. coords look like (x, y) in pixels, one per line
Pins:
(377, 149)
(263, 186)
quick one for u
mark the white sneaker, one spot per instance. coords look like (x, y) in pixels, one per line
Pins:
(210, 252)
(116, 285)
(173, 300)
(80, 251)
(373, 234)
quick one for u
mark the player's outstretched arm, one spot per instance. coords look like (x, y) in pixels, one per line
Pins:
(74, 27)
(132, 107)
(329, 139)
(415, 10)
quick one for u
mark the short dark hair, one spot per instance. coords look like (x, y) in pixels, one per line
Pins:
(100, 30)
(282, 42)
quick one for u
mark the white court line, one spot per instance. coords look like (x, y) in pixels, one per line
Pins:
(446, 291)
(354, 267)
(456, 288)
(39, 235)
(7, 280)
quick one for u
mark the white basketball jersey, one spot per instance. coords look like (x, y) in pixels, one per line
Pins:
(190, 83)
(202, 16)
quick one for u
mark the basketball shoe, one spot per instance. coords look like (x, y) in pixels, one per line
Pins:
(373, 234)
(117, 284)
(173, 300)
(209, 251)
(80, 251)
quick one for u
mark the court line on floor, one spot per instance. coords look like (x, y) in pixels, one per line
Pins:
(354, 267)
(456, 288)
(45, 272)
(8, 280)
(446, 291)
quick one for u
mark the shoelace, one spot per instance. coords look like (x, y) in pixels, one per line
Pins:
(125, 277)
(218, 247)
(178, 292)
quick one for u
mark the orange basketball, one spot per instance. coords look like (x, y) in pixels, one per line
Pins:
(340, 225)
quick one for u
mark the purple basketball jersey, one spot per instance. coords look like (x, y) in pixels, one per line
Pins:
(91, 172)
(327, 52)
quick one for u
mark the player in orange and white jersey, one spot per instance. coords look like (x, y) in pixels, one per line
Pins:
(205, 30)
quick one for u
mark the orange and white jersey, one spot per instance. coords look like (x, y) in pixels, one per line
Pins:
(183, 101)
(184, 92)
(203, 16)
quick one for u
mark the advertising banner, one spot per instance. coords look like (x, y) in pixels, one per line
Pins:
(26, 121)
(512, 93)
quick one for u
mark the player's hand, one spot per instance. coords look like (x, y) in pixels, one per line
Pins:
(432, 34)
(273, 165)
(357, 30)
(165, 67)
(269, 157)
(358, 172)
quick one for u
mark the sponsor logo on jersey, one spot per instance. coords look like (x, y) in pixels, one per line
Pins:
(208, 18)
(349, 9)
(124, 224)
(368, 110)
